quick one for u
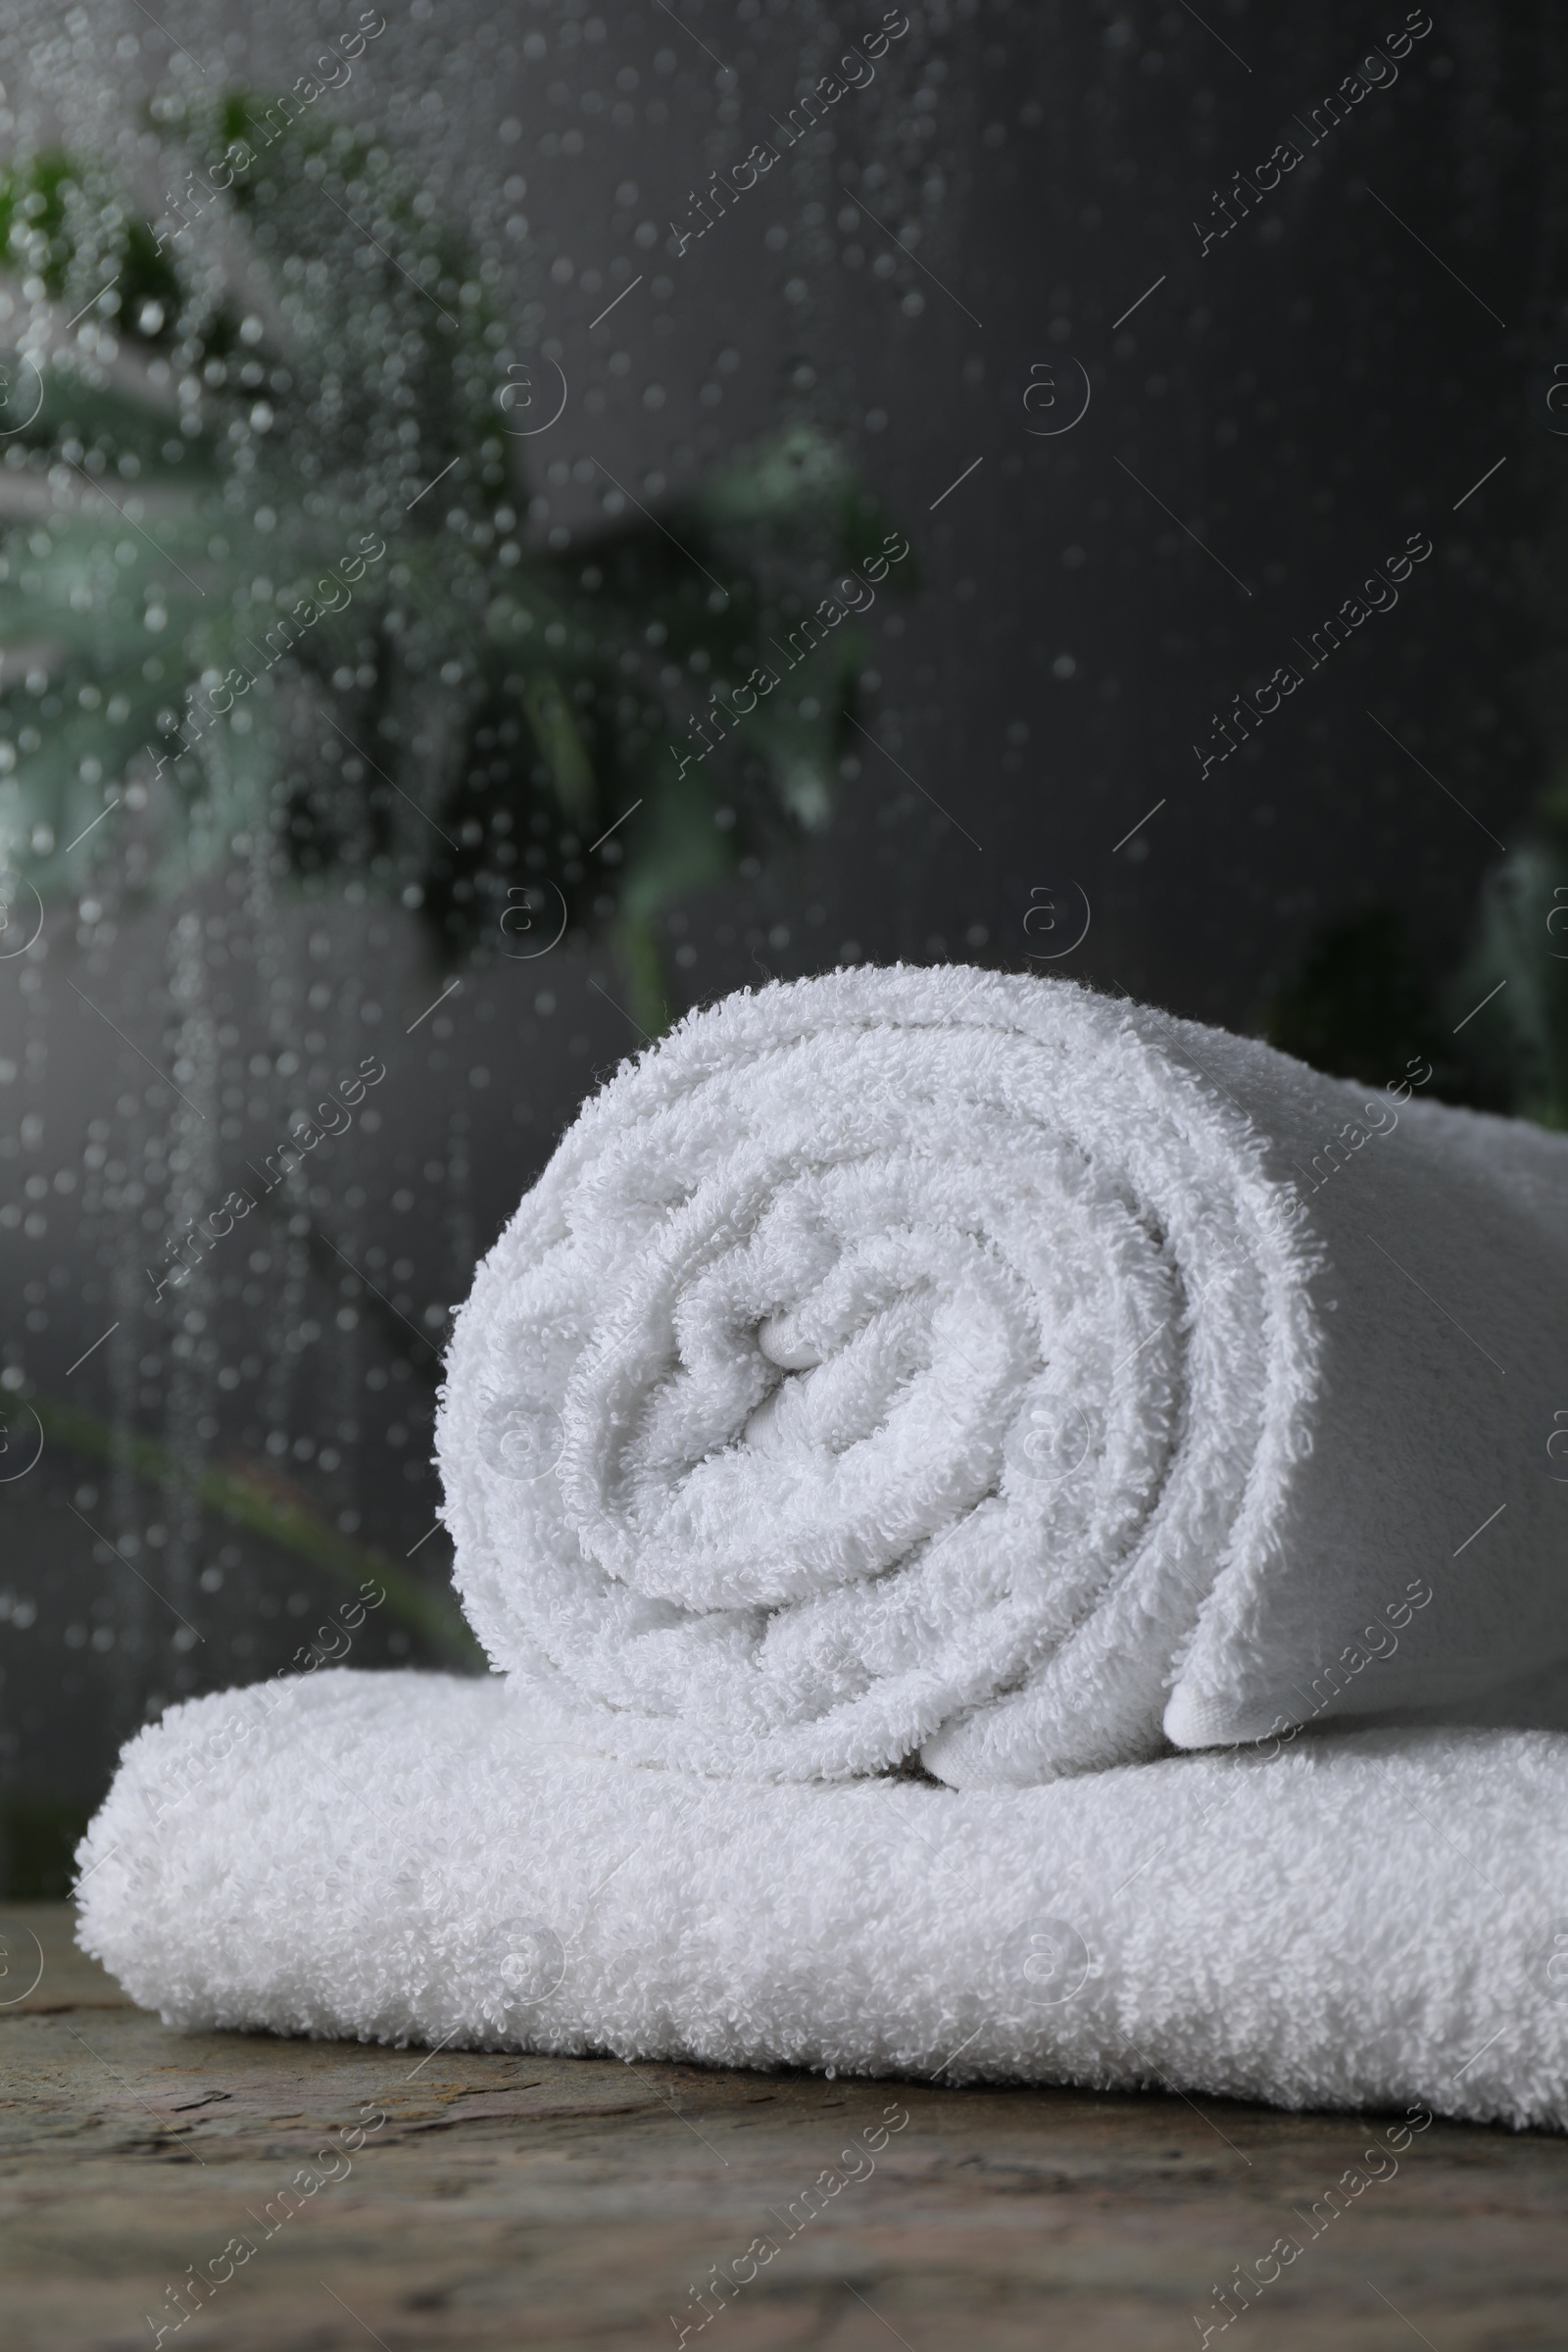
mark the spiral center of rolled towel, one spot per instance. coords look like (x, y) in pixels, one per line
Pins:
(860, 1380)
(807, 1405)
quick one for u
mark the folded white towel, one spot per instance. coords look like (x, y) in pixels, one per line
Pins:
(1372, 1918)
(942, 1363)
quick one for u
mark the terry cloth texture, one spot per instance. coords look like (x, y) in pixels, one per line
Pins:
(948, 1364)
(402, 1857)
(942, 1365)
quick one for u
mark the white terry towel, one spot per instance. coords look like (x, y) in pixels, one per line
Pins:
(401, 1856)
(943, 1364)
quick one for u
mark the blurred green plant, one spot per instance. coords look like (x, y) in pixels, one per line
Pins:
(263, 1504)
(1495, 1031)
(265, 572)
(1517, 970)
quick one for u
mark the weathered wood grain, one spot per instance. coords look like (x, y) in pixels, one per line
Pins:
(534, 2202)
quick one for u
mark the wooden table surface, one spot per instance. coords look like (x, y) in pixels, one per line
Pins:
(517, 2201)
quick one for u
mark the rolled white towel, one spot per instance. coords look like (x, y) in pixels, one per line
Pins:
(950, 1365)
(403, 1857)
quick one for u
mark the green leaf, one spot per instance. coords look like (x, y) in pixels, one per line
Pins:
(555, 733)
(204, 450)
(256, 1500)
